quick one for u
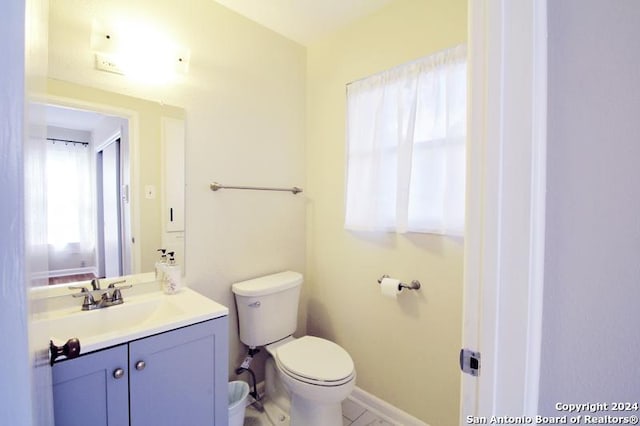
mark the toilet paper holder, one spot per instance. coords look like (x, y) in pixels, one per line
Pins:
(415, 284)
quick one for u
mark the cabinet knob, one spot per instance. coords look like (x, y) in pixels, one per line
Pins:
(71, 349)
(140, 365)
(118, 373)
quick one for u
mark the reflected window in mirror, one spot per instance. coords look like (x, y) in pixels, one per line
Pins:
(73, 248)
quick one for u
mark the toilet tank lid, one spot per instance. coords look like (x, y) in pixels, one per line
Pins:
(267, 284)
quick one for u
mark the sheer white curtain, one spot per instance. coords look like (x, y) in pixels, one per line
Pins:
(69, 197)
(406, 130)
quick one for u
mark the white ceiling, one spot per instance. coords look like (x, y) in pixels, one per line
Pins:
(304, 21)
(69, 118)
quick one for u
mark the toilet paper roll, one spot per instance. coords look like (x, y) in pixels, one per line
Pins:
(390, 287)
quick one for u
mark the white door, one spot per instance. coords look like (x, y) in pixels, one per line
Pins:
(504, 239)
(111, 214)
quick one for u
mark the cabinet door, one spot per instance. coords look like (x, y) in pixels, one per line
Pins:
(86, 391)
(183, 380)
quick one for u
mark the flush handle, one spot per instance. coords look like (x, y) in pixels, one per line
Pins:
(255, 304)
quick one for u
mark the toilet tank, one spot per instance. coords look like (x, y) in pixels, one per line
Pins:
(267, 307)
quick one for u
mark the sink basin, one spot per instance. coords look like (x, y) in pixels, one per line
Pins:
(139, 316)
(114, 319)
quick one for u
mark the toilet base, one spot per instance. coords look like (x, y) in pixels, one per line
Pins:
(276, 415)
(302, 411)
(310, 413)
(275, 391)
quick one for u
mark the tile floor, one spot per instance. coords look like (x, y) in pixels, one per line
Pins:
(353, 414)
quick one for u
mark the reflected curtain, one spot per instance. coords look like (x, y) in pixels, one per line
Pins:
(70, 212)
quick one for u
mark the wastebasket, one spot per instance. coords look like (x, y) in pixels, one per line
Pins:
(238, 392)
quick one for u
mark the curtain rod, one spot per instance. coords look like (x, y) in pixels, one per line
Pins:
(408, 63)
(67, 141)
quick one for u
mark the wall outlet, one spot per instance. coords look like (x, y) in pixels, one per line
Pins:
(106, 63)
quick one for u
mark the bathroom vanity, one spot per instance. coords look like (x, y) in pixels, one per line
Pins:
(154, 360)
(173, 378)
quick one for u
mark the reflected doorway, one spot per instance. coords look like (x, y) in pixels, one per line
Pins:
(86, 190)
(109, 212)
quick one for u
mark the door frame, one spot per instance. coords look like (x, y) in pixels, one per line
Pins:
(506, 180)
(123, 238)
(19, 386)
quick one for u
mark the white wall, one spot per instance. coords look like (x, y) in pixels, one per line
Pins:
(592, 272)
(244, 98)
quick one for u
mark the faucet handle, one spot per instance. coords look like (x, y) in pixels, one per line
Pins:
(113, 284)
(116, 297)
(84, 291)
(117, 294)
(89, 301)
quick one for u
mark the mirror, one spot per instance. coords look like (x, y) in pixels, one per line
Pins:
(110, 148)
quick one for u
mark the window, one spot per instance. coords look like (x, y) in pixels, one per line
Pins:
(69, 196)
(406, 130)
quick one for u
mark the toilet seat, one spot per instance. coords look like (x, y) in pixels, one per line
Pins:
(315, 361)
(306, 380)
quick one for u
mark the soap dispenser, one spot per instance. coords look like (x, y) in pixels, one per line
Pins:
(171, 283)
(161, 264)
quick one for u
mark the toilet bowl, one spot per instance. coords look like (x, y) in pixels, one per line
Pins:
(316, 374)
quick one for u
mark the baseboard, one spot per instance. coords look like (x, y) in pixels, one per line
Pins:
(372, 403)
(73, 271)
(383, 409)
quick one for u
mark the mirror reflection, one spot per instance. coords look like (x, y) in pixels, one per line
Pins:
(107, 203)
(87, 184)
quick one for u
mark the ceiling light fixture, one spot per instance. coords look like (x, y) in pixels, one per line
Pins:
(138, 51)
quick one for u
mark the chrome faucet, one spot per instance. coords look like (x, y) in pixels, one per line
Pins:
(116, 295)
(89, 303)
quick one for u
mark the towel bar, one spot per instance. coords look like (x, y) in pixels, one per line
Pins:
(216, 186)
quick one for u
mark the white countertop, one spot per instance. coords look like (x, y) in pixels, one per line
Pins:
(146, 311)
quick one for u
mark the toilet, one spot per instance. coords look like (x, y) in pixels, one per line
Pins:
(316, 374)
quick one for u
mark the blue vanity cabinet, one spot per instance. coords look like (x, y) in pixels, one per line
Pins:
(174, 378)
(180, 377)
(92, 389)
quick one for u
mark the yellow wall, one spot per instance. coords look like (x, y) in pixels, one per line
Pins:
(148, 233)
(405, 351)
